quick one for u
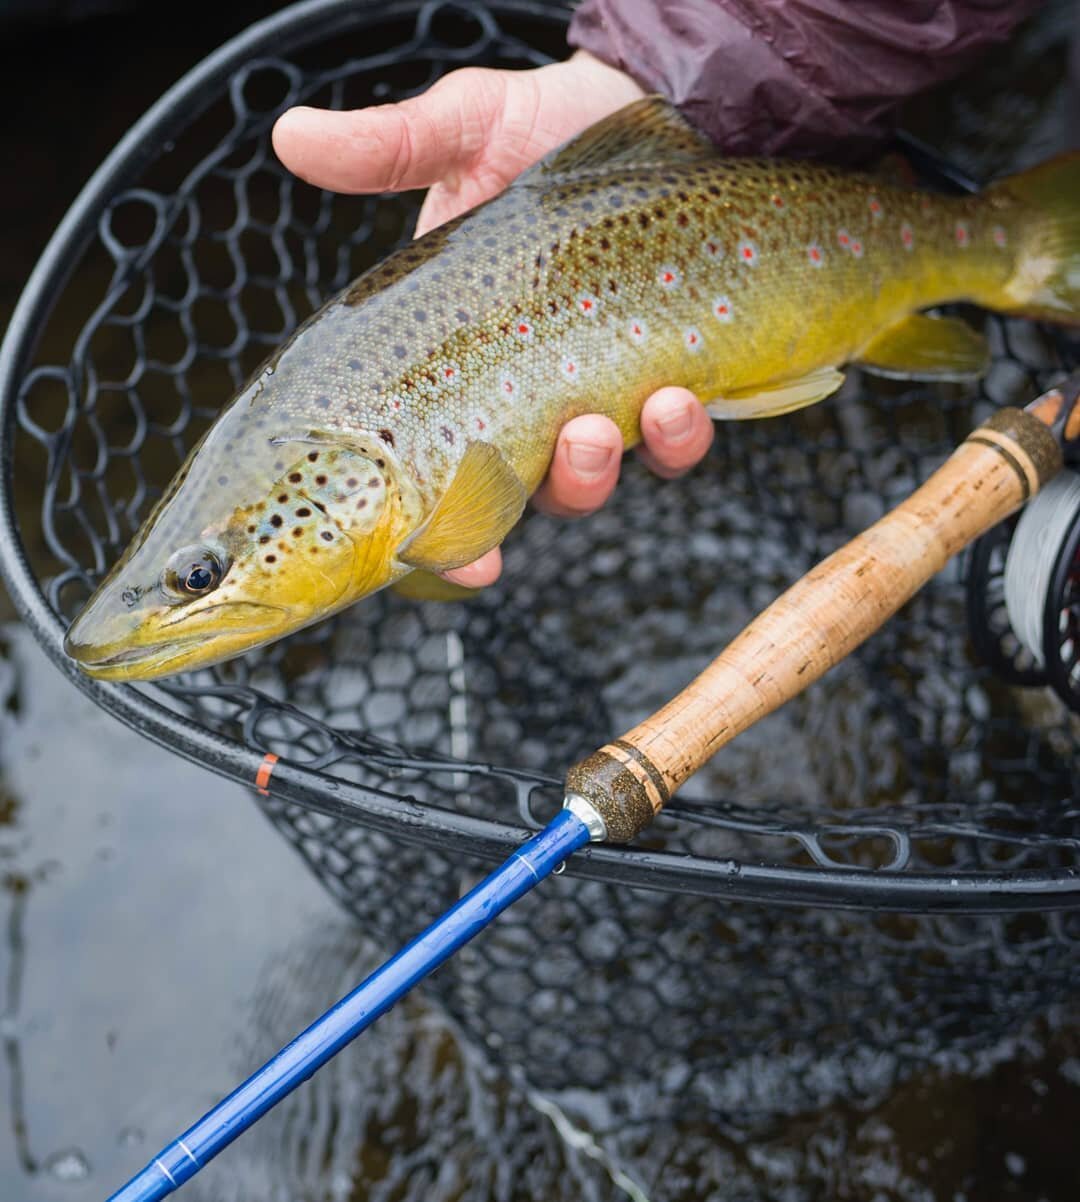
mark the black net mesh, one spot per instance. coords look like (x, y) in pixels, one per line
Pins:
(195, 255)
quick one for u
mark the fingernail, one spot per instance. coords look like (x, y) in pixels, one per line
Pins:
(588, 459)
(676, 423)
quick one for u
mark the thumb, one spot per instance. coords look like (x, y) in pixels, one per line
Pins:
(393, 147)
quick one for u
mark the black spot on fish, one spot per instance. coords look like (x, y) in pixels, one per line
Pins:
(320, 480)
(264, 538)
(282, 498)
(297, 531)
(419, 315)
(462, 316)
(303, 512)
(295, 477)
(380, 463)
(400, 351)
(271, 559)
(362, 503)
(312, 456)
(488, 281)
(374, 482)
(326, 536)
(356, 365)
(352, 482)
(276, 520)
(323, 402)
(251, 530)
(223, 480)
(387, 437)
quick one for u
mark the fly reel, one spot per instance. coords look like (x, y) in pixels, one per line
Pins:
(1023, 590)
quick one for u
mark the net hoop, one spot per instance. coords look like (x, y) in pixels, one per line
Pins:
(453, 832)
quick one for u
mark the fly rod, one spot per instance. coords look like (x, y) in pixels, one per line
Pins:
(617, 791)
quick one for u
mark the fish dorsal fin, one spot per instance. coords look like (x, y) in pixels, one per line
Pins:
(776, 399)
(927, 348)
(426, 586)
(647, 131)
(476, 512)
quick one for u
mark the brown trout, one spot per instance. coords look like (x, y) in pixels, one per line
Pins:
(402, 428)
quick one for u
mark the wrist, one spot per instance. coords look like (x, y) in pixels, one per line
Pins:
(598, 79)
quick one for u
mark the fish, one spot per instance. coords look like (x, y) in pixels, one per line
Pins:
(401, 429)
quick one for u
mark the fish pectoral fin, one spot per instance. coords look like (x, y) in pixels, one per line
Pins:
(483, 502)
(784, 397)
(650, 130)
(426, 586)
(927, 348)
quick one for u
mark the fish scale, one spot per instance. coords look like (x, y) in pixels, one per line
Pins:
(631, 258)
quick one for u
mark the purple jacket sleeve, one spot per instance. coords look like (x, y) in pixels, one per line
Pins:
(792, 77)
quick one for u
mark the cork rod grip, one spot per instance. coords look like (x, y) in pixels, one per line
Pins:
(819, 620)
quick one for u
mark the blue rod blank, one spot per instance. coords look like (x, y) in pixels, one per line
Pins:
(183, 1158)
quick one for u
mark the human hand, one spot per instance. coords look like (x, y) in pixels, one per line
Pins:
(465, 139)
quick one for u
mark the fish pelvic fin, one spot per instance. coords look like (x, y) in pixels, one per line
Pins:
(426, 586)
(1046, 282)
(650, 130)
(484, 500)
(777, 399)
(927, 348)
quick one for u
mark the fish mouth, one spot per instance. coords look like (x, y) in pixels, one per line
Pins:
(126, 663)
(128, 659)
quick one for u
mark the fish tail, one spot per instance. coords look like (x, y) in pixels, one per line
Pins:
(1046, 203)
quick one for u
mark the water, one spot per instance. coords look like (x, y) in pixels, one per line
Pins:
(161, 940)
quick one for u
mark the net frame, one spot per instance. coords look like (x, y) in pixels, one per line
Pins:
(315, 783)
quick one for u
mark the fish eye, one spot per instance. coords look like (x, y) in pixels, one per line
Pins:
(193, 572)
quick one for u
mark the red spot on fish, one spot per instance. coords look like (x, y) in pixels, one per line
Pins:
(722, 308)
(1000, 238)
(815, 254)
(875, 206)
(961, 234)
(637, 329)
(693, 340)
(588, 305)
(711, 247)
(857, 249)
(524, 330)
(668, 277)
(843, 237)
(570, 369)
(907, 236)
(480, 425)
(778, 201)
(448, 373)
(748, 253)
